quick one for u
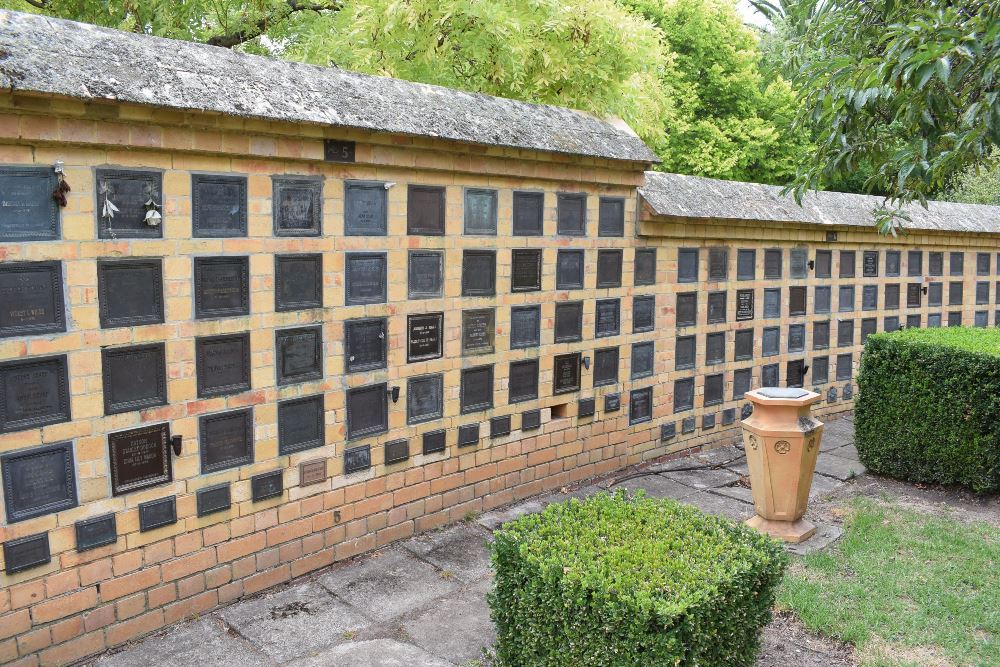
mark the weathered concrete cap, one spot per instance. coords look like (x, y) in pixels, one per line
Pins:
(53, 56)
(782, 392)
(781, 396)
(677, 196)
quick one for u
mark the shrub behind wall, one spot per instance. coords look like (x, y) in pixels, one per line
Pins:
(928, 408)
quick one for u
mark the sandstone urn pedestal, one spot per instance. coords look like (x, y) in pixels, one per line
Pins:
(782, 439)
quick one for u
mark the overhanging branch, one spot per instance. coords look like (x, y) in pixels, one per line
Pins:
(237, 37)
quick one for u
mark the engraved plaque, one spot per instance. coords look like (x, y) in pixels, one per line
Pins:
(643, 313)
(891, 297)
(607, 321)
(824, 263)
(915, 263)
(744, 305)
(396, 451)
(713, 389)
(500, 426)
(746, 264)
(956, 262)
(357, 459)
(869, 264)
(335, 150)
(743, 345)
(569, 269)
(820, 370)
(213, 499)
(134, 377)
(796, 337)
(913, 295)
(981, 318)
(643, 360)
(844, 366)
(423, 338)
(585, 407)
(683, 394)
(478, 331)
(869, 297)
(569, 321)
(96, 532)
(157, 513)
(367, 411)
(771, 341)
(298, 282)
(892, 262)
(685, 349)
(365, 344)
(218, 205)
(566, 373)
(434, 441)
(312, 472)
(982, 293)
(523, 381)
(468, 435)
(365, 208)
(716, 307)
(612, 402)
(741, 382)
(848, 392)
(267, 485)
(708, 421)
(31, 297)
(668, 431)
(38, 481)
(299, 354)
(954, 319)
(221, 286)
(28, 211)
(772, 303)
(845, 333)
(645, 266)
(913, 322)
(476, 392)
(831, 395)
(525, 326)
(529, 209)
(130, 292)
(226, 440)
(821, 300)
(25, 553)
(123, 200)
(891, 323)
(139, 458)
(795, 373)
(571, 214)
(609, 268)
(687, 265)
(847, 262)
(845, 300)
(796, 301)
(640, 405)
(426, 274)
(424, 398)
(223, 364)
(687, 425)
(869, 325)
(35, 392)
(798, 262)
(769, 375)
(935, 263)
(301, 424)
(605, 366)
(687, 309)
(773, 263)
(718, 264)
(531, 419)
(611, 217)
(955, 296)
(525, 270)
(982, 264)
(425, 210)
(479, 272)
(746, 410)
(297, 205)
(366, 278)
(480, 211)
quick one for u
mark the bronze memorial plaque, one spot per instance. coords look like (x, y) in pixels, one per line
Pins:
(130, 292)
(226, 440)
(140, 458)
(424, 336)
(297, 203)
(126, 202)
(33, 393)
(366, 278)
(298, 282)
(134, 377)
(38, 481)
(27, 210)
(221, 286)
(367, 411)
(26, 552)
(223, 364)
(566, 373)
(299, 354)
(301, 424)
(31, 298)
(312, 472)
(218, 205)
(365, 344)
(477, 331)
(365, 208)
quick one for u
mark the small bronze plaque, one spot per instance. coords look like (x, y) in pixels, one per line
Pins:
(366, 278)
(687, 265)
(426, 274)
(728, 416)
(531, 419)
(798, 262)
(571, 214)
(821, 335)
(523, 381)
(643, 313)
(935, 294)
(683, 394)
(708, 422)
(299, 354)
(335, 150)
(643, 359)
(611, 216)
(771, 344)
(607, 322)
(28, 211)
(915, 263)
(424, 336)
(479, 272)
(845, 299)
(716, 307)
(957, 263)
(298, 282)
(566, 373)
(312, 472)
(478, 331)
(773, 260)
(124, 199)
(569, 269)
(157, 513)
(609, 268)
(434, 441)
(687, 425)
(743, 345)
(500, 426)
(772, 303)
(468, 435)
(822, 298)
(934, 320)
(365, 344)
(845, 333)
(476, 392)
(746, 264)
(718, 264)
(38, 481)
(134, 377)
(140, 458)
(640, 408)
(526, 270)
(744, 305)
(226, 440)
(795, 373)
(845, 364)
(367, 411)
(645, 266)
(668, 431)
(267, 485)
(869, 263)
(569, 322)
(935, 264)
(612, 402)
(955, 293)
(605, 366)
(396, 451)
(96, 532)
(769, 375)
(982, 264)
(525, 326)
(687, 309)
(848, 260)
(824, 263)
(715, 348)
(529, 210)
(685, 350)
(32, 298)
(365, 208)
(869, 297)
(425, 210)
(33, 393)
(480, 211)
(25, 553)
(221, 286)
(130, 292)
(914, 294)
(218, 205)
(223, 364)
(796, 301)
(297, 205)
(892, 262)
(869, 325)
(424, 398)
(796, 337)
(213, 499)
(301, 424)
(585, 407)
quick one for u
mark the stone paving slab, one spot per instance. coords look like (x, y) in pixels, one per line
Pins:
(824, 537)
(657, 486)
(838, 468)
(740, 493)
(848, 452)
(372, 653)
(822, 485)
(730, 508)
(204, 642)
(704, 478)
(456, 628)
(462, 550)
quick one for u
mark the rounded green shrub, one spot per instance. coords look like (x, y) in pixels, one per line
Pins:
(615, 581)
(928, 406)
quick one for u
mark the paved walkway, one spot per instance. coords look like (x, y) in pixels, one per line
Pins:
(421, 603)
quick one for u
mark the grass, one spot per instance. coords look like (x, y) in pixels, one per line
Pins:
(905, 588)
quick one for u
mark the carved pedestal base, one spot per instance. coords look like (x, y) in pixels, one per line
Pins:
(789, 531)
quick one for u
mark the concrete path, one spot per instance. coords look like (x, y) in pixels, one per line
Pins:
(422, 602)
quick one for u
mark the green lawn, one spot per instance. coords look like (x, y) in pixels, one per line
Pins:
(905, 588)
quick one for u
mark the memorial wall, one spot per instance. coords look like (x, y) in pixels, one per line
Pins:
(238, 345)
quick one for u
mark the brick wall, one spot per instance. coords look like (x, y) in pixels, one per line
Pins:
(84, 601)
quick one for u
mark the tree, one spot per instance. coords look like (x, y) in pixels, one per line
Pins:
(978, 184)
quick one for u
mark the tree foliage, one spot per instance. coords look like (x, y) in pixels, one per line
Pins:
(978, 183)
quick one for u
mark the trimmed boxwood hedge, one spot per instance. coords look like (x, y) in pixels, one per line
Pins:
(615, 581)
(928, 406)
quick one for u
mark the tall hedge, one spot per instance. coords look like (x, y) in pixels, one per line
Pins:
(928, 408)
(631, 582)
